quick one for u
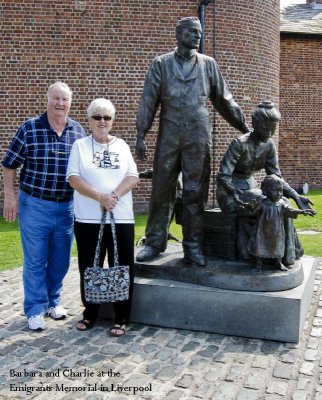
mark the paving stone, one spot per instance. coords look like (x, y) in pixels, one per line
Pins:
(174, 395)
(277, 387)
(269, 347)
(290, 356)
(178, 360)
(210, 351)
(223, 357)
(164, 354)
(303, 383)
(318, 388)
(191, 346)
(313, 343)
(149, 348)
(261, 361)
(307, 368)
(185, 381)
(226, 391)
(249, 394)
(47, 363)
(213, 374)
(176, 342)
(166, 374)
(319, 312)
(236, 373)
(317, 322)
(203, 390)
(283, 370)
(137, 380)
(300, 395)
(316, 332)
(310, 355)
(153, 367)
(274, 397)
(256, 379)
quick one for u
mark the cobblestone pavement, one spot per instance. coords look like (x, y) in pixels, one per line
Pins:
(155, 363)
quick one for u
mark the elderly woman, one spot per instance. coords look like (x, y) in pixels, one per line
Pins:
(102, 171)
(245, 156)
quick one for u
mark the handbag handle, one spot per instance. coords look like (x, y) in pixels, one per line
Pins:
(100, 237)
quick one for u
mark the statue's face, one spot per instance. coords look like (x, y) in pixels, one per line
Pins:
(191, 35)
(264, 130)
(275, 193)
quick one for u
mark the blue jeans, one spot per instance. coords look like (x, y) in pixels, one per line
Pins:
(46, 229)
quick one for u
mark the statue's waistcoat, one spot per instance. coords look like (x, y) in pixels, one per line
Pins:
(184, 99)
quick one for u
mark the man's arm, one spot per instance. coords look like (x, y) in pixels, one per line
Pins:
(223, 101)
(10, 207)
(148, 106)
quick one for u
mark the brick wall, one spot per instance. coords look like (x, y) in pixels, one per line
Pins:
(247, 50)
(103, 48)
(301, 104)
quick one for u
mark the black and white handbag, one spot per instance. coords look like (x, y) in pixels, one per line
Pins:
(106, 285)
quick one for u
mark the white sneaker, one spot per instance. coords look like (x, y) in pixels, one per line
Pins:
(57, 312)
(36, 323)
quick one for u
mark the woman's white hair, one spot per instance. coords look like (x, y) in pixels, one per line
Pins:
(60, 85)
(101, 104)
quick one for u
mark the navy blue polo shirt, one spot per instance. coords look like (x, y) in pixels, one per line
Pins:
(43, 156)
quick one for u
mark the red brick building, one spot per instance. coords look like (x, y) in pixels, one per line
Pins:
(300, 147)
(103, 48)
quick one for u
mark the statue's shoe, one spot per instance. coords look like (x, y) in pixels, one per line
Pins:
(148, 253)
(195, 258)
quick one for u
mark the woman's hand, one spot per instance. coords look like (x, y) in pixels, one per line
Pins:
(107, 201)
(237, 200)
(304, 203)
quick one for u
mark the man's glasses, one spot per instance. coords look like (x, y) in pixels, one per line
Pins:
(99, 117)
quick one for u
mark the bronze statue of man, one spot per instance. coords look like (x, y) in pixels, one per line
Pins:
(182, 82)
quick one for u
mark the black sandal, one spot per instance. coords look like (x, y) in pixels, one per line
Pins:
(117, 327)
(87, 325)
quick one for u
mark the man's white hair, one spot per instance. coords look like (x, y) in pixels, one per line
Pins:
(61, 85)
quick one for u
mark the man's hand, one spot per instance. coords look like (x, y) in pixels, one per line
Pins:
(10, 208)
(140, 148)
(10, 205)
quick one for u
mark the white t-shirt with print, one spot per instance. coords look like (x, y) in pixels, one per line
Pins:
(103, 167)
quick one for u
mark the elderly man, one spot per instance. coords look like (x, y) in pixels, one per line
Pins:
(182, 82)
(42, 146)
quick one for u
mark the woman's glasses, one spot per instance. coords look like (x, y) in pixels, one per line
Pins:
(99, 117)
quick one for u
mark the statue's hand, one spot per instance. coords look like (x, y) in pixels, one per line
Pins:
(140, 148)
(237, 200)
(304, 203)
(309, 212)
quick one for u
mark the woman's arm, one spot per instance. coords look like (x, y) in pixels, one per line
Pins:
(128, 183)
(106, 200)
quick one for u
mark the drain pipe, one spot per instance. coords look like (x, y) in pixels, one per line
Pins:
(201, 14)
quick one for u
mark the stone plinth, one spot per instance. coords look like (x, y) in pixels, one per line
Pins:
(262, 315)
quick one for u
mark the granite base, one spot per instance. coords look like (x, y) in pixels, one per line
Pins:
(263, 315)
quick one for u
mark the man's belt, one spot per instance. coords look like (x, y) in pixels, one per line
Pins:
(44, 197)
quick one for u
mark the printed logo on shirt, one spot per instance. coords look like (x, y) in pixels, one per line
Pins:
(105, 159)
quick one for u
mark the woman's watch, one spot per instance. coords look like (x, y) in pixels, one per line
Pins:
(116, 195)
